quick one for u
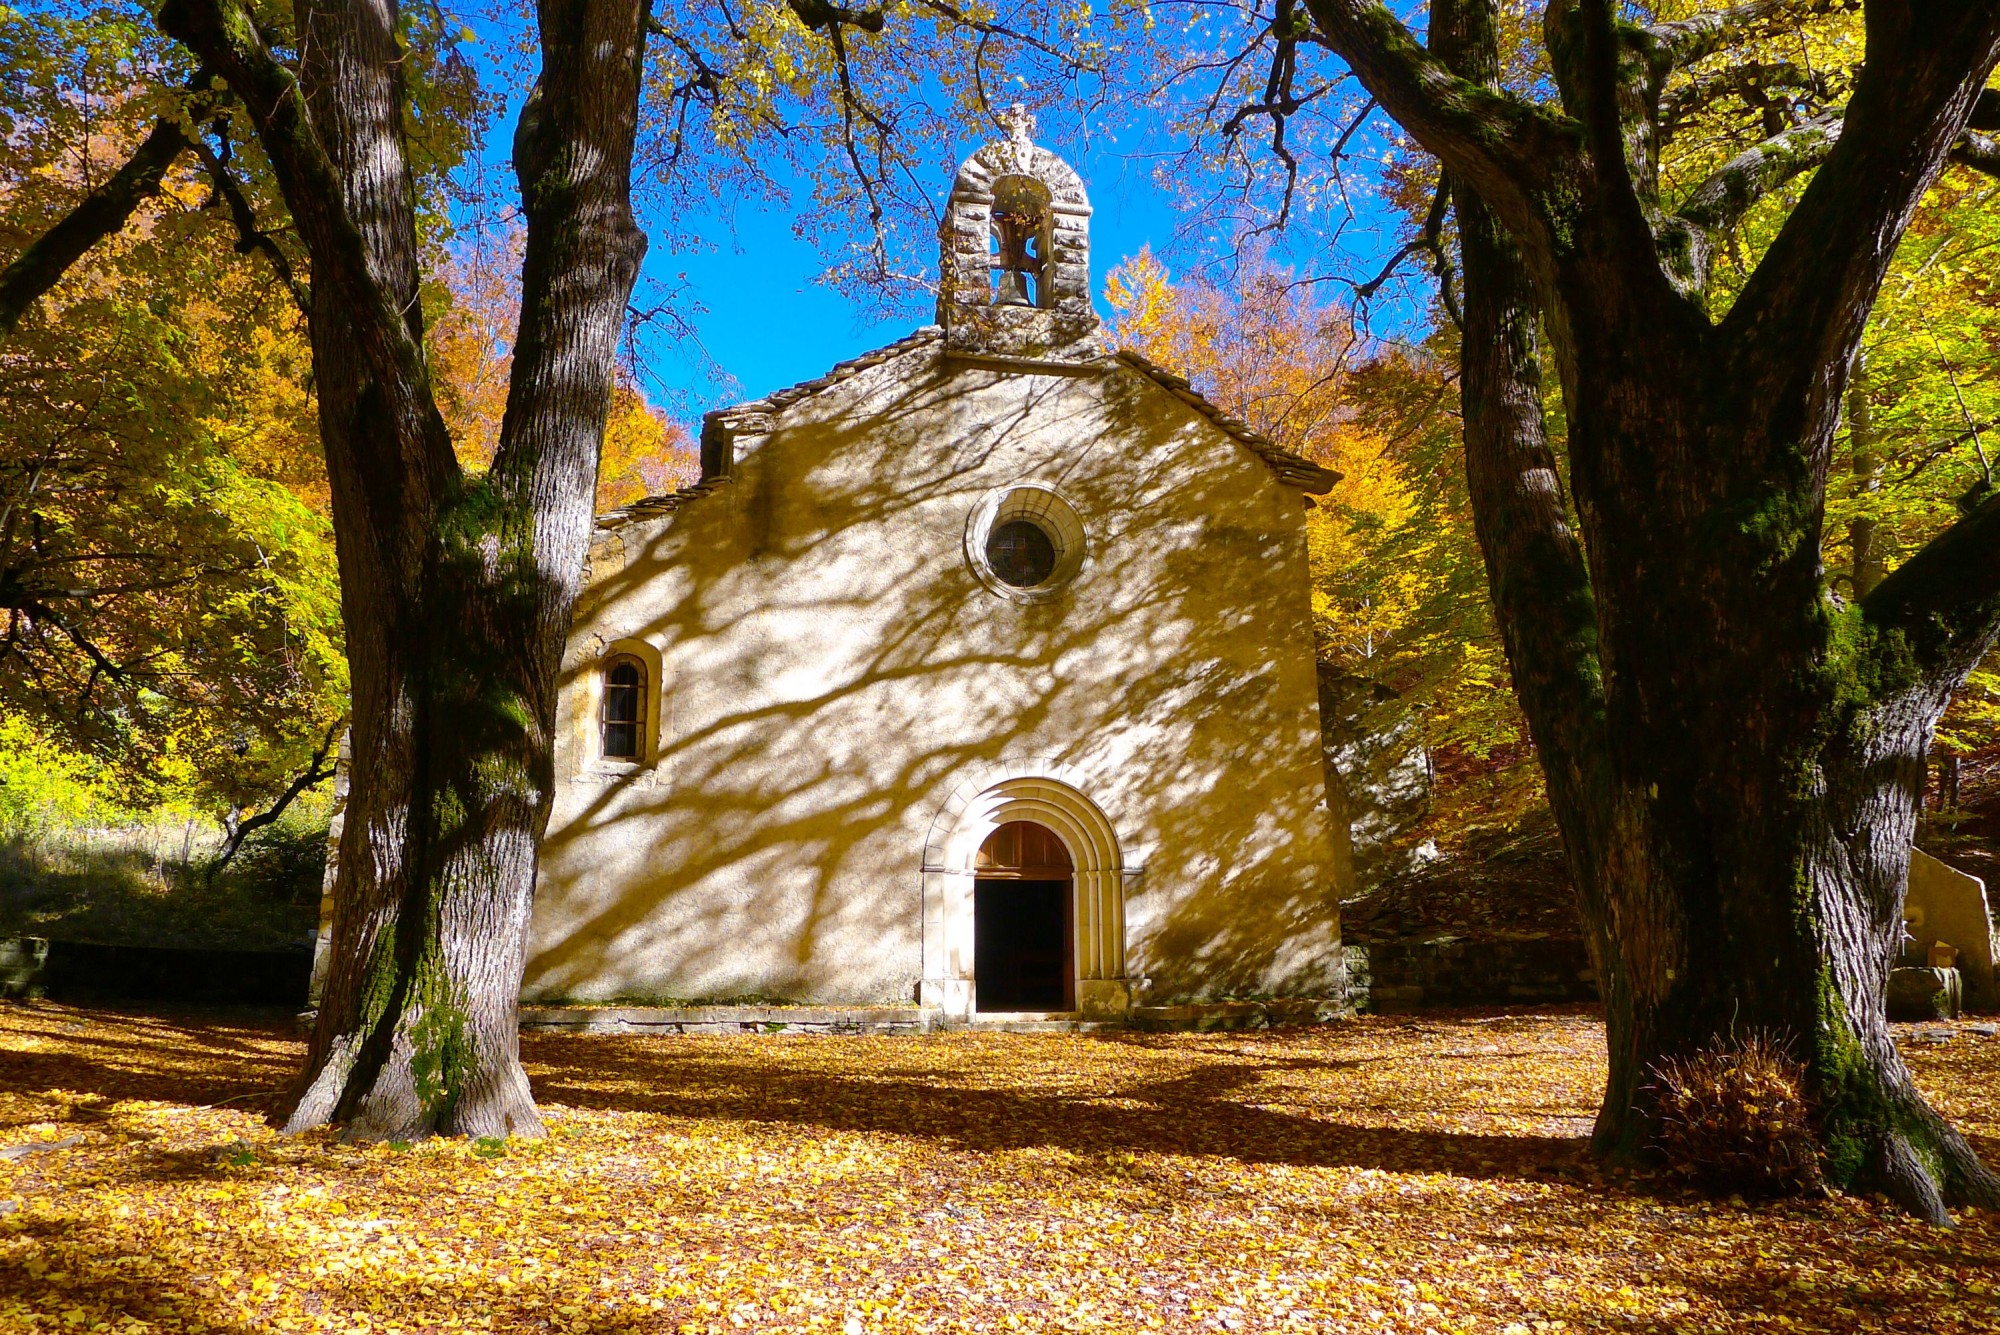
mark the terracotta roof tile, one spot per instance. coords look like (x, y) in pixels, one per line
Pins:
(1292, 469)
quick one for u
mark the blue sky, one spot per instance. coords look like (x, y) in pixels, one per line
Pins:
(750, 287)
(769, 323)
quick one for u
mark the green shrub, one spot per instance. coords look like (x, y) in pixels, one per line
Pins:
(285, 862)
(77, 864)
(44, 788)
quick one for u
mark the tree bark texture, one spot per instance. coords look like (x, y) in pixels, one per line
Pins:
(1734, 756)
(457, 591)
(1866, 563)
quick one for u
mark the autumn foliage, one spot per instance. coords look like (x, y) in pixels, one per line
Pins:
(645, 452)
(168, 604)
(1390, 1175)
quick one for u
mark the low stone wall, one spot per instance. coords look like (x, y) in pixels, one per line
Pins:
(1443, 972)
(83, 971)
(1945, 906)
(731, 1019)
(1200, 1016)
(1220, 1015)
(1926, 994)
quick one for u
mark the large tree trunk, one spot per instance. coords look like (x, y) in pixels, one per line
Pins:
(1734, 760)
(457, 591)
(1766, 751)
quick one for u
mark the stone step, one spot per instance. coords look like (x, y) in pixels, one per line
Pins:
(732, 1019)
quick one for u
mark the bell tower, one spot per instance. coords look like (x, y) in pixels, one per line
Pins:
(1014, 267)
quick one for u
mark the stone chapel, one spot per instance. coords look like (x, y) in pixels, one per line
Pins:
(977, 673)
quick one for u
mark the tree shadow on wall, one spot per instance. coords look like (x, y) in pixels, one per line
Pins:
(833, 667)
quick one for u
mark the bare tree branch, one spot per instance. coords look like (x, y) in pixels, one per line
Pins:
(102, 213)
(249, 236)
(1752, 80)
(1979, 151)
(1688, 40)
(817, 14)
(1430, 241)
(1940, 449)
(1509, 150)
(316, 772)
(987, 28)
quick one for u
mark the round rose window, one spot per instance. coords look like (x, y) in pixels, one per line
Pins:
(1021, 553)
(1025, 542)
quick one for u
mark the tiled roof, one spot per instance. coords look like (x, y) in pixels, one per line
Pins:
(652, 507)
(847, 370)
(1292, 469)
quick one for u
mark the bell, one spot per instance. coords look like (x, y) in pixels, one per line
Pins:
(1013, 289)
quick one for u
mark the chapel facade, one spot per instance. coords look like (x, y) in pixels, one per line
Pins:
(977, 673)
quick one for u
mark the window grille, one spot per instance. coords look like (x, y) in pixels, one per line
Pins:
(624, 709)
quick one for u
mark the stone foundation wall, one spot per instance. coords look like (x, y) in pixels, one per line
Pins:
(1388, 976)
(752, 1019)
(80, 971)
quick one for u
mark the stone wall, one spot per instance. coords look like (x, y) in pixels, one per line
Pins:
(1446, 972)
(1378, 774)
(1944, 904)
(81, 971)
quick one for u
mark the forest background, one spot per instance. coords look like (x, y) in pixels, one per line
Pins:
(171, 668)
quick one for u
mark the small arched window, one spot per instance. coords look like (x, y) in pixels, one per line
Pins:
(624, 711)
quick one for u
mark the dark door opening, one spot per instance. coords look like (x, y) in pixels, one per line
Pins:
(1018, 959)
(1022, 947)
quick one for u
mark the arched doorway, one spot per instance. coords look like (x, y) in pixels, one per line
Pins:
(1023, 921)
(1050, 795)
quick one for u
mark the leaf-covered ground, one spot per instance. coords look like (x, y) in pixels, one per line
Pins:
(1381, 1175)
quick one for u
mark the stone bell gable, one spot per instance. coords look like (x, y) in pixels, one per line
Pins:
(1014, 276)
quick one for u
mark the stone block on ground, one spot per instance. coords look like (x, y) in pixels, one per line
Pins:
(1946, 906)
(22, 962)
(1925, 994)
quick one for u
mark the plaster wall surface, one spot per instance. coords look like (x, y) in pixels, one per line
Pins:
(833, 684)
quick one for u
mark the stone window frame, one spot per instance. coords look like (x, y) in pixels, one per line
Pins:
(1048, 509)
(583, 722)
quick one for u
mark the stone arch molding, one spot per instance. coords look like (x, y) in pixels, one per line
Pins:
(1007, 157)
(1050, 794)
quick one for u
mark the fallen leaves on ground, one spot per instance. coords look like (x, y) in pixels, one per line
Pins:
(1386, 1174)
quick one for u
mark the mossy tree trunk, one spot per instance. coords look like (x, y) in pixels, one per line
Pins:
(457, 589)
(1734, 755)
